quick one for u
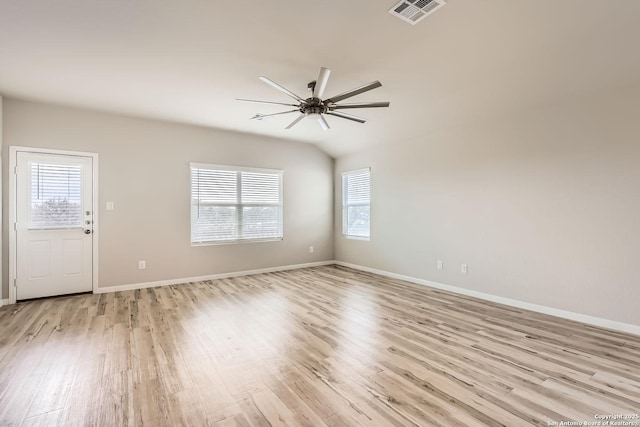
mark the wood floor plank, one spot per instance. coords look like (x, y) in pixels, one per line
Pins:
(311, 347)
(47, 419)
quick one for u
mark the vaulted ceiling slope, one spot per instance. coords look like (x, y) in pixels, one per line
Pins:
(188, 60)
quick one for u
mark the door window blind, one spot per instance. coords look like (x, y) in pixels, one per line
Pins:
(356, 203)
(55, 195)
(230, 204)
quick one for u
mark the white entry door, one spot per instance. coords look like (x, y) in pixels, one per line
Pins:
(54, 224)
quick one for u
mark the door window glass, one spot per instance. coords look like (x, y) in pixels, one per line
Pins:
(55, 195)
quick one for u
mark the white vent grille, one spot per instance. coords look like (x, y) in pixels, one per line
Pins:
(413, 11)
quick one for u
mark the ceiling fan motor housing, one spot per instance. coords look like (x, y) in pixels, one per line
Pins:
(313, 106)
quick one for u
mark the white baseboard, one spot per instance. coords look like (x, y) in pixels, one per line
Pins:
(133, 286)
(584, 318)
(591, 320)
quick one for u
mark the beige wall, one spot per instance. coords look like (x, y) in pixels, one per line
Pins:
(543, 206)
(144, 170)
(3, 281)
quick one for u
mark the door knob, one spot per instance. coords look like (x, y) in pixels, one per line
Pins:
(87, 231)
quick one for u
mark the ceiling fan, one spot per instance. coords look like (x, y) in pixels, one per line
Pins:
(317, 107)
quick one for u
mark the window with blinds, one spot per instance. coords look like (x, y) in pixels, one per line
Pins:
(356, 203)
(55, 195)
(232, 205)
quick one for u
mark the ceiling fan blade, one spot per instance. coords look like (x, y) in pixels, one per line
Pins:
(359, 105)
(323, 122)
(262, 116)
(346, 116)
(281, 88)
(293, 123)
(354, 92)
(321, 83)
(266, 102)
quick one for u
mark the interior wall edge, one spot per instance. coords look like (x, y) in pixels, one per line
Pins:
(2, 293)
(569, 315)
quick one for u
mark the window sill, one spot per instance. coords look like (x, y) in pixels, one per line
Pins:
(365, 239)
(236, 242)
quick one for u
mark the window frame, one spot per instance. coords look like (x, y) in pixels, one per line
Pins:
(346, 204)
(30, 209)
(238, 205)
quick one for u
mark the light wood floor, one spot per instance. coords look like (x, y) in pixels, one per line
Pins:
(312, 347)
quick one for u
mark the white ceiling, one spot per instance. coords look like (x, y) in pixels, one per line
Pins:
(188, 60)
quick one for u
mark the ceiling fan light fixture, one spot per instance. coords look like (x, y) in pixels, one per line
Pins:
(315, 105)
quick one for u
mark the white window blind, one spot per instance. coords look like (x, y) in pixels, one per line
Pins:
(55, 195)
(356, 203)
(231, 204)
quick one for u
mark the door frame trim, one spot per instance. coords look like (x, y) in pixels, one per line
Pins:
(13, 157)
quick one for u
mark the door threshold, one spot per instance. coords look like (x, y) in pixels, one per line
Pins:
(55, 296)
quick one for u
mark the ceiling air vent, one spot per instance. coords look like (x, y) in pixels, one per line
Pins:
(413, 11)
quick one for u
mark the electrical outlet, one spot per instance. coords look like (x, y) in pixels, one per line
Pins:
(109, 206)
(310, 249)
(142, 265)
(463, 268)
(440, 265)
